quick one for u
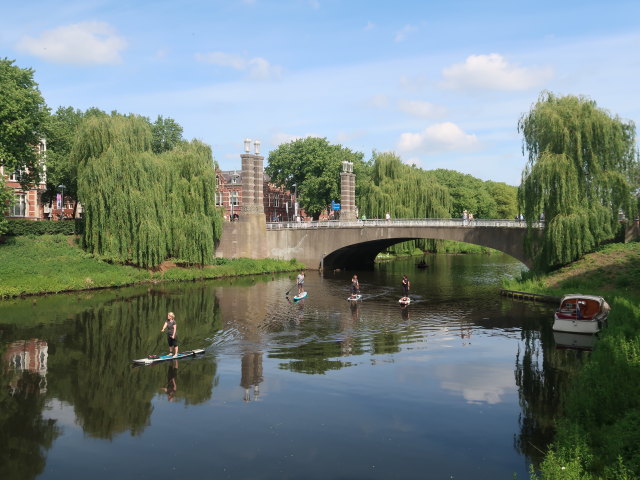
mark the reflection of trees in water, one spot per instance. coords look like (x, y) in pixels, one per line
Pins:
(25, 435)
(542, 376)
(93, 369)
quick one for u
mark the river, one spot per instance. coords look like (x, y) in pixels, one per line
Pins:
(461, 384)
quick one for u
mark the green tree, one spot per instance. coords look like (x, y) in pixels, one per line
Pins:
(467, 193)
(6, 201)
(166, 134)
(314, 165)
(23, 114)
(505, 197)
(142, 208)
(578, 174)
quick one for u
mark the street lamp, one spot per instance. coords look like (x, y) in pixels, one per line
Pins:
(62, 187)
(247, 145)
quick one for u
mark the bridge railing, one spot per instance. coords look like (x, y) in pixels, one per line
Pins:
(404, 222)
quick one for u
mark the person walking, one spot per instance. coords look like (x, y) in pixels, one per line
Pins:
(355, 286)
(172, 329)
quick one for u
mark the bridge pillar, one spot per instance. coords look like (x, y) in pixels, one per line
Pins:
(247, 237)
(347, 192)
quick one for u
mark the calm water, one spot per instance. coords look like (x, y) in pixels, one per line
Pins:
(461, 384)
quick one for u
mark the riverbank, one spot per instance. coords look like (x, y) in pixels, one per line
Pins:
(599, 431)
(31, 265)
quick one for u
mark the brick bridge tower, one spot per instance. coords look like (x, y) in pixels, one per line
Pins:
(347, 193)
(247, 237)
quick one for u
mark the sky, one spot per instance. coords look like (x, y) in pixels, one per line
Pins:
(441, 84)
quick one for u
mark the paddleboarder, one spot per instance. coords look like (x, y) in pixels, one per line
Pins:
(172, 329)
(355, 286)
(406, 285)
(300, 281)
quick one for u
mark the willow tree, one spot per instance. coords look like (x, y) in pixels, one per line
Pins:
(142, 208)
(578, 175)
(404, 192)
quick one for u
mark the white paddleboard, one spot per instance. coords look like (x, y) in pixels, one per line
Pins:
(404, 301)
(300, 297)
(354, 299)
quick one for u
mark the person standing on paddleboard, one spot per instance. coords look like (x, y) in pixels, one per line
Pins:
(172, 329)
(406, 284)
(355, 286)
(300, 282)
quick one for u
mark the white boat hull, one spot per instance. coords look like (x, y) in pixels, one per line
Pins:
(576, 326)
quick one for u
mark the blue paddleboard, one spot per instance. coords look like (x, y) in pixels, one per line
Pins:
(300, 297)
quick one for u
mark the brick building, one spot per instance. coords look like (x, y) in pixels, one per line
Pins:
(279, 203)
(28, 202)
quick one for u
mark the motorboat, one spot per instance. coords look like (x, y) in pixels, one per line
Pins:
(581, 314)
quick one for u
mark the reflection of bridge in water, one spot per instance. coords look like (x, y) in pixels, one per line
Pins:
(345, 244)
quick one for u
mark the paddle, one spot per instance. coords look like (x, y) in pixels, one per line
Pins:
(286, 294)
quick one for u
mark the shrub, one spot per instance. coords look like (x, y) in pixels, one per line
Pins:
(30, 227)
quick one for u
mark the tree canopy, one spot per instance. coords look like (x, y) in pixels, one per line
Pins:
(314, 166)
(23, 114)
(580, 162)
(140, 207)
(467, 193)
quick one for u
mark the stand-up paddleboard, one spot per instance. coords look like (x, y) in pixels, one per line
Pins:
(354, 298)
(162, 358)
(404, 301)
(300, 297)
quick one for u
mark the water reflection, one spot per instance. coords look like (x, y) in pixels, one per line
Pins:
(369, 369)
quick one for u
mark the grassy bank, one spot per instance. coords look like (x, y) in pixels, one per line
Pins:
(599, 432)
(54, 263)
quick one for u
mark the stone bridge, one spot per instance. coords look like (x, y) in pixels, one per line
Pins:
(345, 244)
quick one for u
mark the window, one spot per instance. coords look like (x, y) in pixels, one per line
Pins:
(20, 206)
(219, 199)
(276, 199)
(234, 198)
(217, 180)
(15, 176)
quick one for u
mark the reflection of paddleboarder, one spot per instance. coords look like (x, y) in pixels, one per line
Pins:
(406, 285)
(355, 286)
(172, 373)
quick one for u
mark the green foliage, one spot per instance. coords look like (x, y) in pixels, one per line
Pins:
(468, 193)
(142, 208)
(314, 165)
(6, 201)
(578, 174)
(404, 192)
(29, 227)
(505, 197)
(23, 114)
(166, 134)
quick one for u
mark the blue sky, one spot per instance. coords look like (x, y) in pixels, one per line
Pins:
(442, 84)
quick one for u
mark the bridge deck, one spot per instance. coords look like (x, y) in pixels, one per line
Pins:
(406, 222)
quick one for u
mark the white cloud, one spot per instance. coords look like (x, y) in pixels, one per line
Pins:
(257, 68)
(419, 108)
(440, 137)
(369, 26)
(84, 43)
(493, 72)
(404, 32)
